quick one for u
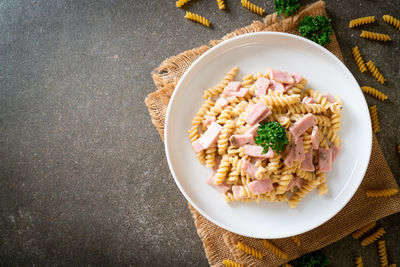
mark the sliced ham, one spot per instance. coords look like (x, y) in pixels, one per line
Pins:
(258, 113)
(290, 156)
(325, 160)
(257, 152)
(299, 150)
(260, 187)
(296, 181)
(242, 139)
(330, 98)
(308, 100)
(281, 76)
(222, 101)
(232, 87)
(249, 168)
(239, 192)
(239, 93)
(315, 137)
(262, 86)
(277, 86)
(209, 119)
(209, 137)
(253, 130)
(307, 164)
(302, 125)
(335, 152)
(223, 188)
(297, 77)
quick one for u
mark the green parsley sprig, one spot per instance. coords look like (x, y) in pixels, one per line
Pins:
(317, 29)
(313, 259)
(286, 7)
(271, 134)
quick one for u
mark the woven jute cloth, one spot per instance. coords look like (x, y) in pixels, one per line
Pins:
(220, 244)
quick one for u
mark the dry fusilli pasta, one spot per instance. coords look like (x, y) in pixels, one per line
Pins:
(197, 18)
(359, 262)
(274, 249)
(382, 193)
(360, 232)
(374, 119)
(392, 21)
(361, 21)
(382, 253)
(374, 92)
(231, 263)
(375, 36)
(221, 4)
(359, 60)
(252, 7)
(296, 239)
(375, 72)
(250, 250)
(373, 237)
(180, 3)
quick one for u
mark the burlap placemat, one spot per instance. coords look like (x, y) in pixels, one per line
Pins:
(220, 244)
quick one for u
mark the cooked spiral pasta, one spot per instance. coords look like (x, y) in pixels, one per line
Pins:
(375, 72)
(359, 60)
(382, 193)
(201, 156)
(252, 7)
(306, 141)
(322, 120)
(226, 115)
(305, 175)
(231, 263)
(322, 140)
(210, 156)
(323, 187)
(222, 170)
(306, 188)
(216, 90)
(374, 92)
(360, 232)
(283, 183)
(280, 100)
(382, 253)
(198, 118)
(335, 121)
(296, 240)
(250, 250)
(392, 21)
(359, 262)
(274, 249)
(223, 140)
(331, 135)
(361, 21)
(283, 119)
(375, 36)
(180, 3)
(274, 164)
(306, 108)
(221, 4)
(318, 97)
(372, 238)
(374, 119)
(197, 18)
(297, 88)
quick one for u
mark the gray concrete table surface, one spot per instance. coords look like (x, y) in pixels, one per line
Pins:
(83, 176)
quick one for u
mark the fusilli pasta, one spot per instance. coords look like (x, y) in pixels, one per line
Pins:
(359, 262)
(359, 60)
(382, 193)
(360, 232)
(180, 3)
(231, 263)
(392, 21)
(274, 249)
(252, 7)
(374, 119)
(216, 90)
(375, 36)
(361, 21)
(250, 250)
(374, 92)
(296, 240)
(197, 18)
(221, 4)
(373, 237)
(375, 72)
(382, 253)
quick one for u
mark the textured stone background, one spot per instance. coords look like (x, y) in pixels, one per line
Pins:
(83, 176)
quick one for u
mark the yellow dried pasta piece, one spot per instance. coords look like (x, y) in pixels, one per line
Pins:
(223, 140)
(361, 21)
(250, 250)
(392, 21)
(231, 263)
(374, 92)
(360, 232)
(216, 90)
(359, 60)
(221, 4)
(281, 101)
(375, 72)
(375, 36)
(180, 3)
(382, 193)
(252, 7)
(274, 249)
(197, 18)
(300, 194)
(296, 240)
(372, 238)
(382, 253)
(374, 119)
(359, 261)
(223, 169)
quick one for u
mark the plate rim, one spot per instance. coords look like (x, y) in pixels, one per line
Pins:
(362, 170)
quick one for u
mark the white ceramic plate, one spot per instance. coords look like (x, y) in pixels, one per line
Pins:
(253, 53)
